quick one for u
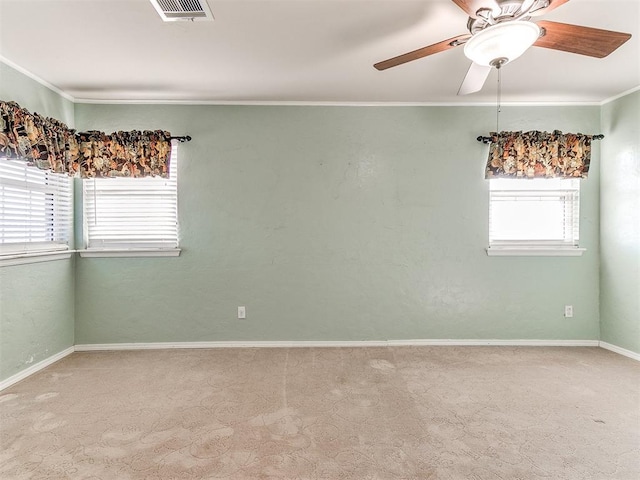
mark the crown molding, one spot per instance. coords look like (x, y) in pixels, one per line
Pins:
(620, 95)
(36, 78)
(297, 103)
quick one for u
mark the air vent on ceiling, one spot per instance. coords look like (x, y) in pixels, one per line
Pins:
(175, 10)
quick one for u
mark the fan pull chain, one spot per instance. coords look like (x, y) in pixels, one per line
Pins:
(499, 98)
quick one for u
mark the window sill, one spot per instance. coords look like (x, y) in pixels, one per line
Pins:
(26, 258)
(34, 257)
(149, 252)
(535, 251)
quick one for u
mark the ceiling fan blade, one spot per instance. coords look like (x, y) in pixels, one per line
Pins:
(592, 42)
(422, 52)
(470, 7)
(553, 4)
(474, 80)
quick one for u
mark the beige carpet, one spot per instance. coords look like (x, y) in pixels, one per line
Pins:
(327, 413)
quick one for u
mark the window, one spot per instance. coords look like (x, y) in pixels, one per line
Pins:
(36, 209)
(530, 214)
(129, 214)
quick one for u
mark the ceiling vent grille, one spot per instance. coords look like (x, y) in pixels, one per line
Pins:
(176, 10)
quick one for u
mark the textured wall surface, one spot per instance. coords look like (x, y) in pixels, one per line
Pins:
(338, 223)
(29, 94)
(620, 223)
(36, 301)
(36, 318)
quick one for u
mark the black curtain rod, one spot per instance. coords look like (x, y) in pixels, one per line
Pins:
(488, 139)
(179, 138)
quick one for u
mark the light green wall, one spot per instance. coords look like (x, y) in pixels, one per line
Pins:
(36, 317)
(620, 223)
(29, 94)
(338, 223)
(330, 223)
(37, 300)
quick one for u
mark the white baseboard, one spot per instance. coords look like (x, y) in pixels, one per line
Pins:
(338, 343)
(621, 351)
(310, 343)
(35, 368)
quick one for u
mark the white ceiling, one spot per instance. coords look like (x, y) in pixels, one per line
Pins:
(298, 51)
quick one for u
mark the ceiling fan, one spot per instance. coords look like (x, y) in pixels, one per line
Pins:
(502, 30)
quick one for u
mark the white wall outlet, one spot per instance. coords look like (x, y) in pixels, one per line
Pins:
(242, 312)
(568, 311)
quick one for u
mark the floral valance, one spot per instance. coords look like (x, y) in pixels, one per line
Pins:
(44, 142)
(50, 145)
(539, 155)
(124, 154)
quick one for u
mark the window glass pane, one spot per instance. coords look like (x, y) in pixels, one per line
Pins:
(534, 212)
(531, 219)
(35, 208)
(129, 213)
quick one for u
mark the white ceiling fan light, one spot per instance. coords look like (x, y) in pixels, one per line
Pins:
(501, 43)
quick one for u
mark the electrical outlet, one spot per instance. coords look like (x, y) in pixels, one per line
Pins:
(242, 312)
(568, 311)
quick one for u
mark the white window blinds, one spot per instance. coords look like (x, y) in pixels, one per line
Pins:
(534, 212)
(36, 209)
(132, 213)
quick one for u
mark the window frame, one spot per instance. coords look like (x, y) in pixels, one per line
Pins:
(36, 193)
(124, 248)
(569, 246)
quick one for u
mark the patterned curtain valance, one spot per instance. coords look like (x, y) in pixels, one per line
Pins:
(50, 145)
(124, 154)
(539, 155)
(45, 142)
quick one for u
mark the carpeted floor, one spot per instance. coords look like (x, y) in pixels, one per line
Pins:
(327, 413)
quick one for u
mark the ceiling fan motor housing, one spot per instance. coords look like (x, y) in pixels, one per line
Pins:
(504, 11)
